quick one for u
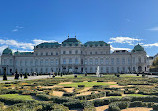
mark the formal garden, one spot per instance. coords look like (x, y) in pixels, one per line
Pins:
(110, 92)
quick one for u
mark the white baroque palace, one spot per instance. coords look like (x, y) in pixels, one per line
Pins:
(72, 55)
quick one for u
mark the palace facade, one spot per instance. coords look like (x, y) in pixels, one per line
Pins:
(73, 56)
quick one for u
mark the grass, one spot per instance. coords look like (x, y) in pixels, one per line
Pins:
(128, 75)
(87, 84)
(16, 96)
(137, 95)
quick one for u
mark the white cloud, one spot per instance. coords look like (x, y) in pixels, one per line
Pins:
(151, 45)
(21, 46)
(114, 48)
(122, 40)
(17, 28)
(153, 29)
(17, 44)
(38, 41)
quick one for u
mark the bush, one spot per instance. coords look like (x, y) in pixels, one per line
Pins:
(155, 107)
(100, 102)
(113, 94)
(68, 94)
(81, 85)
(92, 96)
(1, 105)
(117, 106)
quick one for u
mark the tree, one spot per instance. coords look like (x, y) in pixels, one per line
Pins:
(5, 75)
(25, 76)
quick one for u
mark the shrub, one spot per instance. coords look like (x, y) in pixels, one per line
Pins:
(92, 96)
(113, 94)
(155, 107)
(117, 106)
(81, 85)
(68, 94)
(100, 102)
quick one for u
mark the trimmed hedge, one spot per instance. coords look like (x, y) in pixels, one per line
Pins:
(92, 96)
(118, 106)
(37, 106)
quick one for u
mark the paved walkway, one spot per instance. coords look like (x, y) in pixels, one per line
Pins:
(11, 78)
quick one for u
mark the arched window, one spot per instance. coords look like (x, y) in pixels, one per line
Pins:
(139, 59)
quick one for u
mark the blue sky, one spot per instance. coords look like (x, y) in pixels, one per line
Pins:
(122, 23)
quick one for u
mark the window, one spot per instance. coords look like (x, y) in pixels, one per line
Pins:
(129, 60)
(56, 61)
(64, 61)
(133, 60)
(91, 61)
(51, 62)
(11, 61)
(25, 62)
(76, 61)
(117, 61)
(96, 53)
(107, 69)
(118, 69)
(123, 61)
(107, 61)
(139, 59)
(41, 53)
(46, 53)
(51, 53)
(112, 69)
(144, 59)
(85, 61)
(90, 52)
(112, 61)
(56, 53)
(96, 61)
(36, 62)
(64, 52)
(46, 62)
(70, 61)
(76, 52)
(31, 62)
(70, 52)
(20, 62)
(41, 62)
(91, 69)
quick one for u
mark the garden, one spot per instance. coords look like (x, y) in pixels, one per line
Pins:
(81, 93)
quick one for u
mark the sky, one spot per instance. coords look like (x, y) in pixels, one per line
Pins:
(121, 23)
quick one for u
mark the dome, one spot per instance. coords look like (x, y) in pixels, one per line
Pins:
(71, 41)
(138, 48)
(7, 51)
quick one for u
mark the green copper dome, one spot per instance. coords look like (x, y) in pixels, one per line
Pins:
(96, 43)
(7, 51)
(71, 41)
(138, 48)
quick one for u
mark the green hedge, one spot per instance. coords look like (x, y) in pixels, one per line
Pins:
(118, 106)
(92, 96)
(77, 104)
(37, 106)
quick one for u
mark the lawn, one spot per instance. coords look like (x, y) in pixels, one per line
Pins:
(87, 84)
(16, 96)
(138, 95)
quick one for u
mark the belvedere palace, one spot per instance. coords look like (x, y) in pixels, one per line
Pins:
(73, 56)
